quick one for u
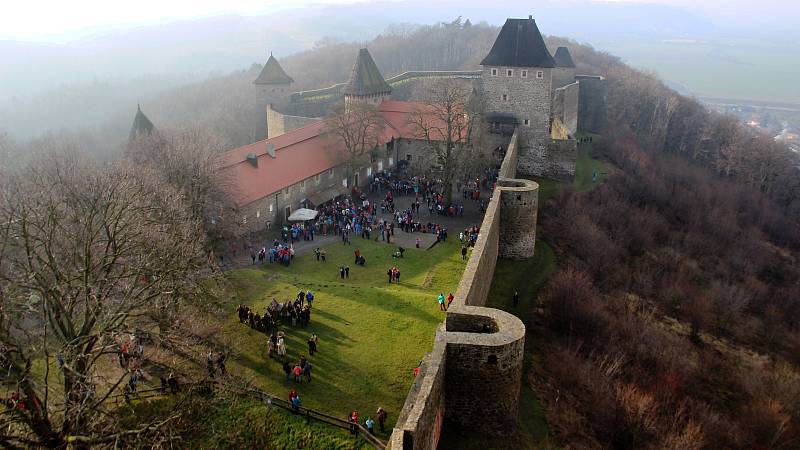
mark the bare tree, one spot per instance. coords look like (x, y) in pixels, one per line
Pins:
(354, 133)
(188, 160)
(87, 252)
(448, 122)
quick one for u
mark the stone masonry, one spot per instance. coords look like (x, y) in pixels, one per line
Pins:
(472, 378)
(279, 123)
(565, 106)
(592, 115)
(527, 98)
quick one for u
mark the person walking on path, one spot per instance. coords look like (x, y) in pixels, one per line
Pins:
(382, 415)
(353, 419)
(442, 306)
(450, 299)
(463, 252)
(307, 372)
(370, 425)
(515, 301)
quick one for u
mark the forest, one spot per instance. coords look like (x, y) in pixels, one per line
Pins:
(673, 320)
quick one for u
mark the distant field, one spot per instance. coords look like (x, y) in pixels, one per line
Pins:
(727, 68)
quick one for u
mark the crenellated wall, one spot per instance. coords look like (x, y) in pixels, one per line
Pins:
(471, 379)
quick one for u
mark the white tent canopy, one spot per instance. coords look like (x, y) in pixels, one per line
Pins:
(303, 214)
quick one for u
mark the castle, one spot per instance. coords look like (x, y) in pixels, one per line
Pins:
(534, 105)
(522, 87)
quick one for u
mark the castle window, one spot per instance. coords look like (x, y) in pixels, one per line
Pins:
(494, 72)
(317, 178)
(526, 122)
(408, 157)
(505, 97)
(369, 171)
(330, 173)
(303, 183)
(540, 74)
(524, 74)
(286, 192)
(509, 73)
(271, 207)
(258, 213)
(244, 220)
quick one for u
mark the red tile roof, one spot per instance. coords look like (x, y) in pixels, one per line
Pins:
(301, 154)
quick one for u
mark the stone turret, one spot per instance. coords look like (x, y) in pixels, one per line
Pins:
(274, 88)
(141, 125)
(366, 84)
(274, 85)
(564, 72)
(517, 87)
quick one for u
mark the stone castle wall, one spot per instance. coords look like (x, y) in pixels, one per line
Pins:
(592, 112)
(478, 350)
(563, 76)
(527, 98)
(279, 123)
(519, 201)
(565, 106)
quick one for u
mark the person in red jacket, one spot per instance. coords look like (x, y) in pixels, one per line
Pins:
(353, 419)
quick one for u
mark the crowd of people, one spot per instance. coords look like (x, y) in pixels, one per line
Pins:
(282, 253)
(298, 311)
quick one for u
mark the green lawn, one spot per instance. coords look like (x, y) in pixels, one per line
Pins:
(221, 422)
(372, 333)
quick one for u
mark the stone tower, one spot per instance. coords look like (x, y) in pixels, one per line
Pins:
(273, 88)
(141, 125)
(564, 72)
(517, 87)
(366, 84)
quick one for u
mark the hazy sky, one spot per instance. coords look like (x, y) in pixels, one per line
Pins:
(51, 19)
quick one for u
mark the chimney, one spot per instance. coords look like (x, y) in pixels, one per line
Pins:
(271, 150)
(530, 17)
(252, 159)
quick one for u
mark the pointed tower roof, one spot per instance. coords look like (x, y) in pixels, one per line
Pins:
(141, 124)
(519, 44)
(366, 79)
(273, 73)
(563, 58)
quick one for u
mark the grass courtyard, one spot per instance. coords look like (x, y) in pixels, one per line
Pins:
(372, 334)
